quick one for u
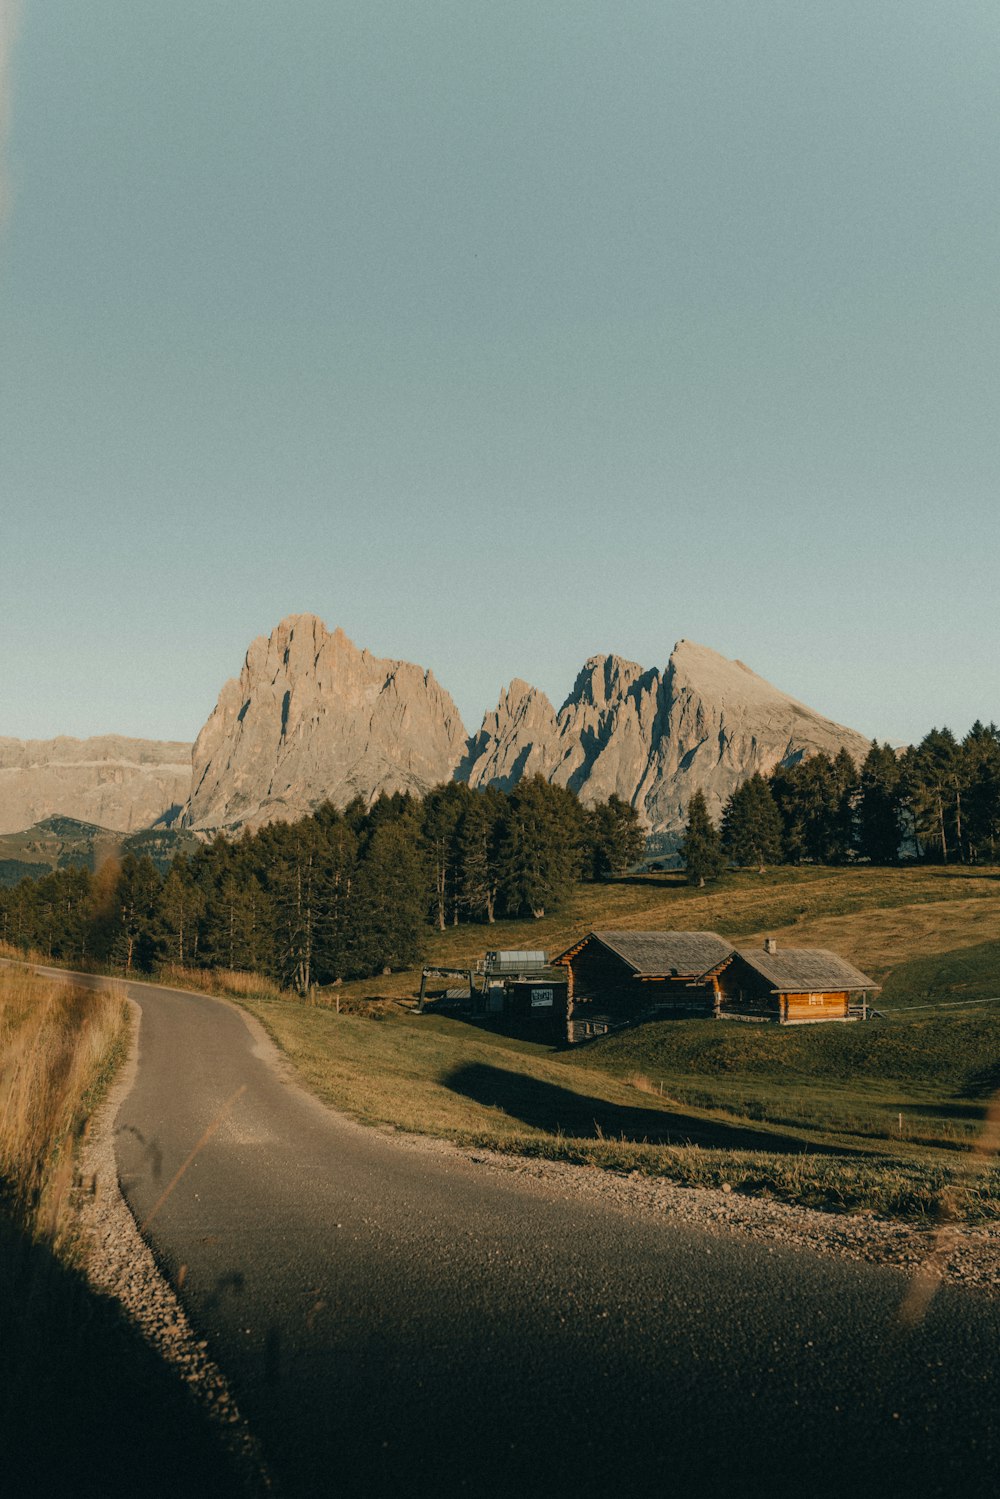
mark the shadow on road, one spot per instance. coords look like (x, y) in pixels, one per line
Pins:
(86, 1407)
(558, 1110)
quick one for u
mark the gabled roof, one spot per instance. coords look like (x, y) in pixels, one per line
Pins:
(660, 954)
(805, 970)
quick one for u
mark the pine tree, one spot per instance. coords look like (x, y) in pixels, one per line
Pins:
(751, 825)
(180, 908)
(479, 853)
(616, 840)
(293, 878)
(133, 918)
(807, 798)
(337, 938)
(442, 811)
(981, 752)
(880, 829)
(390, 900)
(540, 847)
(701, 849)
(843, 827)
(932, 780)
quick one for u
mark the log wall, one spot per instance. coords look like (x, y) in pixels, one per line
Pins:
(604, 993)
(800, 1009)
(746, 994)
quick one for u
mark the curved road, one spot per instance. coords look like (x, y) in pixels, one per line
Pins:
(395, 1322)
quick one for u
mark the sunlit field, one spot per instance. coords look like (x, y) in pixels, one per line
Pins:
(886, 1115)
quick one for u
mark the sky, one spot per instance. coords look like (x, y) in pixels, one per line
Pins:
(500, 335)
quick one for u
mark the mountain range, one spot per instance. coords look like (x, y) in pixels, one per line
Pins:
(311, 717)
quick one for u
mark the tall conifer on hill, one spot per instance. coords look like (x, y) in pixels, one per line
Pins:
(701, 848)
(981, 750)
(390, 900)
(932, 783)
(844, 823)
(751, 825)
(615, 837)
(540, 846)
(441, 815)
(880, 827)
(479, 852)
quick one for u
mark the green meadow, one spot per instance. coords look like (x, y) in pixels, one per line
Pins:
(887, 1116)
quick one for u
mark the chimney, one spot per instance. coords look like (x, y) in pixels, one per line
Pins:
(770, 945)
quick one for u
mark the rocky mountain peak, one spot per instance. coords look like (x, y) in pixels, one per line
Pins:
(312, 718)
(655, 737)
(602, 681)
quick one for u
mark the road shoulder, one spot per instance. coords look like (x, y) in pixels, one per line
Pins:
(119, 1264)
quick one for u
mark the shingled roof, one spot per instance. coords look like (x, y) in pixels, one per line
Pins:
(805, 970)
(663, 954)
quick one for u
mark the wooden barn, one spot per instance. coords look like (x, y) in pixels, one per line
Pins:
(617, 978)
(787, 985)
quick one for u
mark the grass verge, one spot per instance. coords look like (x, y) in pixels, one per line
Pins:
(431, 1075)
(86, 1407)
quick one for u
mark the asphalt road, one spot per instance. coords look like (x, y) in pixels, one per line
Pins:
(400, 1322)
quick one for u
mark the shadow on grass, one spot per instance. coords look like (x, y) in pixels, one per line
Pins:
(550, 1034)
(557, 1110)
(86, 1407)
(968, 1108)
(984, 1084)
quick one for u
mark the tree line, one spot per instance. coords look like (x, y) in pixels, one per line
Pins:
(938, 801)
(336, 895)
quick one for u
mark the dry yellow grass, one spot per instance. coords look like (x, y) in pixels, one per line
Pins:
(875, 916)
(228, 983)
(58, 1048)
(880, 939)
(86, 1404)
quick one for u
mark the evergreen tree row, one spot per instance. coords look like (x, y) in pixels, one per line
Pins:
(337, 895)
(938, 800)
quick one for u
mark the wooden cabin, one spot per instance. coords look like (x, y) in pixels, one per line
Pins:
(787, 985)
(617, 978)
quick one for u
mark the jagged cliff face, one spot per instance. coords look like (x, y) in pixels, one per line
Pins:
(311, 719)
(598, 742)
(118, 783)
(653, 738)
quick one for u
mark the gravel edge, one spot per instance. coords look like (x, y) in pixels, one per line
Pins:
(120, 1264)
(956, 1254)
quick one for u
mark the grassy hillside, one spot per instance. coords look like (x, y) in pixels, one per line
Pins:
(885, 1115)
(66, 843)
(877, 918)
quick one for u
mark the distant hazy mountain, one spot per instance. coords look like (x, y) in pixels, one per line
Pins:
(113, 782)
(311, 718)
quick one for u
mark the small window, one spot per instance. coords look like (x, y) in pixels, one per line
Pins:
(815, 999)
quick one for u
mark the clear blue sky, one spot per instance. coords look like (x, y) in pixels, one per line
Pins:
(500, 334)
